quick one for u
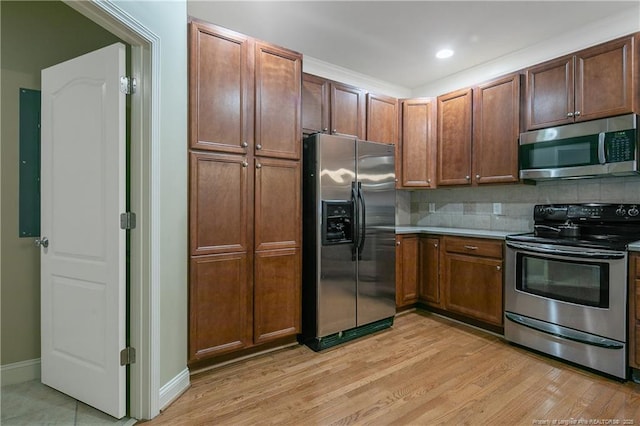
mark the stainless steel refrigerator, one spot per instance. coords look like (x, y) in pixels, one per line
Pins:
(348, 286)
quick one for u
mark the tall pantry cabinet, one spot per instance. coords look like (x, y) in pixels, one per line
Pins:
(244, 192)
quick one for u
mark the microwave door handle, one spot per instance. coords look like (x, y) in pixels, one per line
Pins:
(601, 152)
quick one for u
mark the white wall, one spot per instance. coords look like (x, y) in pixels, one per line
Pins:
(168, 20)
(597, 32)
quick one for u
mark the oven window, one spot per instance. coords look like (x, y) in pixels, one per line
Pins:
(583, 283)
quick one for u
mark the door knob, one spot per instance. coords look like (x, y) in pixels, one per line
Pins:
(42, 242)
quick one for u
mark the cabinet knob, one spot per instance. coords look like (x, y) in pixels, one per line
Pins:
(326, 129)
(498, 267)
(428, 180)
(577, 113)
(335, 131)
(396, 180)
(258, 166)
(435, 245)
(245, 144)
(245, 163)
(258, 146)
(397, 243)
(569, 114)
(467, 177)
(477, 176)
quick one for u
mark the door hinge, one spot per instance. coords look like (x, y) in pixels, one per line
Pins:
(127, 356)
(128, 85)
(128, 220)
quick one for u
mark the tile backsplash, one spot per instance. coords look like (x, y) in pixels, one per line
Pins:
(506, 207)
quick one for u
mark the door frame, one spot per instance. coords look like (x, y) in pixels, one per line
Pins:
(144, 296)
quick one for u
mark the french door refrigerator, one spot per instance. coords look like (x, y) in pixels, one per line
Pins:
(348, 287)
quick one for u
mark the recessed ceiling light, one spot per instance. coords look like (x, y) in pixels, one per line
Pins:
(444, 53)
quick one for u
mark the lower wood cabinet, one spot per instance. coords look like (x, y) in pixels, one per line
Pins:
(220, 301)
(634, 310)
(472, 278)
(277, 276)
(407, 262)
(453, 275)
(429, 272)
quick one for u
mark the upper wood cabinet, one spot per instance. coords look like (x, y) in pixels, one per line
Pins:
(496, 130)
(315, 104)
(382, 119)
(244, 94)
(278, 76)
(478, 131)
(593, 83)
(454, 137)
(417, 147)
(221, 89)
(337, 108)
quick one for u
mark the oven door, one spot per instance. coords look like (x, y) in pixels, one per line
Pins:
(568, 302)
(573, 287)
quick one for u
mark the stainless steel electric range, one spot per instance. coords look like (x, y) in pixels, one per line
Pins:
(566, 284)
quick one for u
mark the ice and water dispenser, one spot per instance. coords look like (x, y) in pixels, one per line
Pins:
(337, 221)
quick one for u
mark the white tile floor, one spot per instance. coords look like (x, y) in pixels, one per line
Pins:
(32, 403)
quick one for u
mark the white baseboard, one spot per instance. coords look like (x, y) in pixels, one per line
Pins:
(19, 372)
(173, 389)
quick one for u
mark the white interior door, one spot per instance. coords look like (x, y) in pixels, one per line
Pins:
(83, 184)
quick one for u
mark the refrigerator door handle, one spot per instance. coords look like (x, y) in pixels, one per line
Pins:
(354, 221)
(362, 222)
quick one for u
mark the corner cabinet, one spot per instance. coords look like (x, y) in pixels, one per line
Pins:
(593, 83)
(244, 193)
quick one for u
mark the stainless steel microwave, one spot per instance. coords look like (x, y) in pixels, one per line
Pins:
(606, 147)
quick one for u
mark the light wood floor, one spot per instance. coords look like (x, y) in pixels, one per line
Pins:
(425, 370)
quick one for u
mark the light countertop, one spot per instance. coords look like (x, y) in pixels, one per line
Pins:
(634, 246)
(461, 232)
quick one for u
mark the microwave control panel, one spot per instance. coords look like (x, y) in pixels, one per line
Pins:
(620, 146)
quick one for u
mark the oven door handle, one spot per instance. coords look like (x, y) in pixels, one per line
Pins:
(587, 253)
(563, 332)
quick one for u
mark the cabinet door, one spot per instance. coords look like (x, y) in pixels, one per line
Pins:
(429, 277)
(550, 94)
(315, 104)
(496, 130)
(277, 289)
(278, 217)
(418, 143)
(278, 102)
(382, 119)
(220, 303)
(473, 287)
(454, 138)
(604, 80)
(406, 270)
(347, 110)
(220, 195)
(220, 89)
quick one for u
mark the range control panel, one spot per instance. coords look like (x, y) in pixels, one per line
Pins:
(337, 222)
(587, 212)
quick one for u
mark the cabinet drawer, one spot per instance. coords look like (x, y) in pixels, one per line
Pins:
(474, 246)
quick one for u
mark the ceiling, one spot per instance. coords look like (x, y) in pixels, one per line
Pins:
(396, 41)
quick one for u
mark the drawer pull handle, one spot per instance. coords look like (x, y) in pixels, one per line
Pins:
(471, 247)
